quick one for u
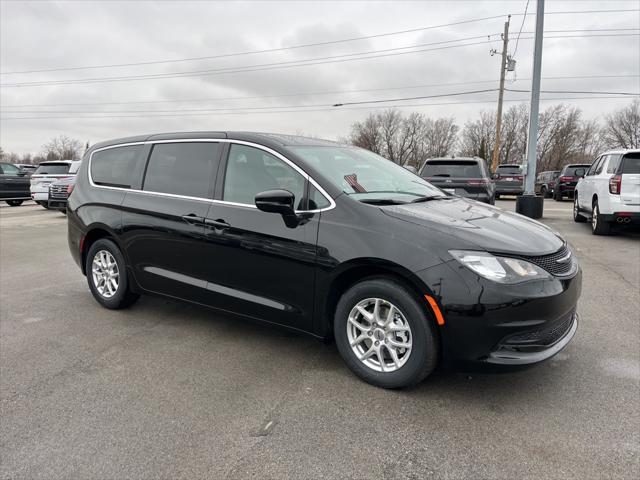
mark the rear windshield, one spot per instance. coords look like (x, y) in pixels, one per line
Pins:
(631, 163)
(571, 171)
(52, 169)
(444, 168)
(509, 170)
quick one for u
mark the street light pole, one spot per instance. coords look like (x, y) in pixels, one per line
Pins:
(529, 204)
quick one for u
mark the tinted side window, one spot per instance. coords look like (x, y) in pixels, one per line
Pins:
(116, 167)
(614, 162)
(600, 165)
(9, 169)
(251, 170)
(631, 163)
(316, 199)
(182, 168)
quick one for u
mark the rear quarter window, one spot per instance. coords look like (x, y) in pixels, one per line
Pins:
(118, 166)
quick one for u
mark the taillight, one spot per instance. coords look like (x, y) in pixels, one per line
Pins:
(615, 184)
(565, 179)
(70, 188)
(519, 177)
(479, 182)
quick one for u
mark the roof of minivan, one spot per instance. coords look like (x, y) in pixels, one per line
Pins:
(622, 151)
(274, 139)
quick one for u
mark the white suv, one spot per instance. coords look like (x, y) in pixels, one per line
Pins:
(610, 191)
(46, 174)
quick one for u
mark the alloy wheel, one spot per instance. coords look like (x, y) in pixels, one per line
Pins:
(105, 273)
(594, 217)
(379, 335)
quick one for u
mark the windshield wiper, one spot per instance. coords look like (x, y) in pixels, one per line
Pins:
(383, 201)
(428, 198)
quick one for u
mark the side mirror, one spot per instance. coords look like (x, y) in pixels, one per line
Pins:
(580, 172)
(22, 173)
(494, 176)
(279, 201)
(411, 168)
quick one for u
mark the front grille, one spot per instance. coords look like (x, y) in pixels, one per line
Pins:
(550, 262)
(58, 192)
(543, 336)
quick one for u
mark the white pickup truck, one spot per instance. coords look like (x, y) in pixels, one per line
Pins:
(609, 192)
(46, 174)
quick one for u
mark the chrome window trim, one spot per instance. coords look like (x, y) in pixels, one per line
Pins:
(305, 175)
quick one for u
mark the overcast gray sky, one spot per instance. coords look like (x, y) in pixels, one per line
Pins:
(40, 35)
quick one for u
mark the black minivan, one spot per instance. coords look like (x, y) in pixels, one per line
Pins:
(326, 239)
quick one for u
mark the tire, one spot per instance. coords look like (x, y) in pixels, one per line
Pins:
(496, 197)
(557, 196)
(413, 364)
(14, 203)
(44, 205)
(113, 298)
(577, 216)
(543, 192)
(598, 226)
(492, 201)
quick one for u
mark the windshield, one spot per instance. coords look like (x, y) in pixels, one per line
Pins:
(509, 170)
(52, 169)
(449, 168)
(365, 175)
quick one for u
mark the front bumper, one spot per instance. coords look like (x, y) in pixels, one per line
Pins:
(57, 204)
(502, 327)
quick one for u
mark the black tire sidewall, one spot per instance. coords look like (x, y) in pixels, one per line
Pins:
(424, 354)
(120, 299)
(601, 227)
(14, 203)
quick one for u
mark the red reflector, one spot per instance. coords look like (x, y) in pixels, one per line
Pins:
(519, 177)
(81, 243)
(70, 188)
(623, 214)
(566, 179)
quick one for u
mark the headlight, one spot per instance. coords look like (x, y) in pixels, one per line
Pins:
(499, 269)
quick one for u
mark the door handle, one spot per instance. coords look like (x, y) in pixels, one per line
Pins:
(219, 223)
(193, 219)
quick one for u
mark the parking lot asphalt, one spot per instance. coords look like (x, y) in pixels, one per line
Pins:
(169, 390)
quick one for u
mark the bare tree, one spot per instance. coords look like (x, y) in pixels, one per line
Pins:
(622, 128)
(367, 134)
(440, 136)
(62, 148)
(477, 137)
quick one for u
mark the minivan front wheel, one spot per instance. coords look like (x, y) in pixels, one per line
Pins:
(107, 275)
(384, 335)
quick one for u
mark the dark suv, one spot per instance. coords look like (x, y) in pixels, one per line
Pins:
(568, 179)
(508, 180)
(467, 177)
(546, 183)
(327, 239)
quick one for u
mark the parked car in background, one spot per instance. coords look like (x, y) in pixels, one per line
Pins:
(567, 180)
(464, 176)
(27, 167)
(46, 174)
(546, 182)
(508, 180)
(610, 191)
(327, 239)
(14, 184)
(59, 193)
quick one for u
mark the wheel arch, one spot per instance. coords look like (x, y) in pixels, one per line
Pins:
(361, 269)
(95, 233)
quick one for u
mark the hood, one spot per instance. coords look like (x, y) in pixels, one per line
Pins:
(483, 226)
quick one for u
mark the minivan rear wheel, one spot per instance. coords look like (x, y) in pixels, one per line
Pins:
(107, 275)
(384, 335)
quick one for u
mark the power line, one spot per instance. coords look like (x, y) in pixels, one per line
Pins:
(260, 67)
(305, 111)
(524, 17)
(299, 94)
(577, 92)
(293, 47)
(280, 65)
(253, 52)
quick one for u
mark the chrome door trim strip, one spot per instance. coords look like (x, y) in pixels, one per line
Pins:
(332, 203)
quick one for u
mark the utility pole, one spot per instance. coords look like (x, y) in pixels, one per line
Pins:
(495, 157)
(529, 204)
